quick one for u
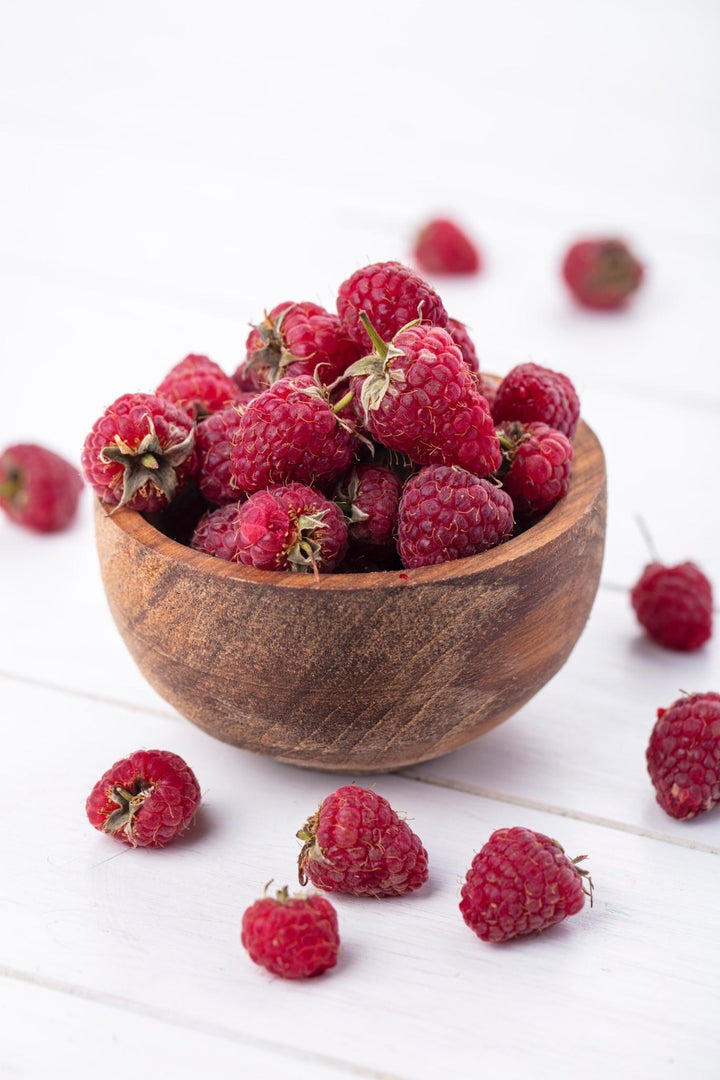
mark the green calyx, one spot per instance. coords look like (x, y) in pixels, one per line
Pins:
(377, 369)
(305, 551)
(148, 463)
(274, 353)
(10, 487)
(346, 497)
(308, 834)
(128, 804)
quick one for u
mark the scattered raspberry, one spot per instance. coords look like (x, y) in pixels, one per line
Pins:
(521, 882)
(674, 605)
(683, 756)
(418, 396)
(291, 936)
(198, 385)
(369, 498)
(530, 392)
(391, 295)
(214, 442)
(447, 513)
(355, 843)
(140, 452)
(146, 799)
(296, 339)
(459, 333)
(291, 432)
(38, 489)
(539, 461)
(602, 274)
(284, 528)
(442, 247)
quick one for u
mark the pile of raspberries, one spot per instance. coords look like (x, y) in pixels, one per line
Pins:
(358, 441)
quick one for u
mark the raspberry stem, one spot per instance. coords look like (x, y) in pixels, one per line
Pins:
(381, 347)
(10, 487)
(343, 402)
(647, 537)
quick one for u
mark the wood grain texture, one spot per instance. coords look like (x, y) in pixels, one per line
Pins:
(366, 672)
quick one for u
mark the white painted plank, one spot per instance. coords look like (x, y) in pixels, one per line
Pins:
(413, 981)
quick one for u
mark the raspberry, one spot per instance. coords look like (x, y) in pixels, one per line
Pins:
(601, 274)
(369, 499)
(418, 396)
(391, 296)
(283, 528)
(198, 385)
(214, 441)
(291, 432)
(674, 605)
(38, 489)
(488, 387)
(146, 799)
(291, 936)
(297, 339)
(539, 460)
(140, 452)
(683, 756)
(355, 843)
(521, 882)
(530, 392)
(459, 333)
(442, 247)
(447, 513)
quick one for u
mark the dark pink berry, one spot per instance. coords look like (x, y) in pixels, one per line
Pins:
(530, 392)
(674, 604)
(442, 247)
(683, 756)
(391, 295)
(602, 274)
(38, 489)
(539, 461)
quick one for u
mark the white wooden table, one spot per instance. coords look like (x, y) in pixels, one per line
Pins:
(168, 172)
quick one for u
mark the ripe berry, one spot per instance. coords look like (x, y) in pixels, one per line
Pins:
(214, 442)
(288, 527)
(291, 432)
(297, 339)
(538, 460)
(369, 496)
(140, 453)
(459, 333)
(291, 936)
(198, 385)
(447, 513)
(530, 392)
(601, 274)
(683, 756)
(418, 396)
(355, 843)
(442, 247)
(674, 605)
(38, 489)
(146, 799)
(521, 882)
(391, 295)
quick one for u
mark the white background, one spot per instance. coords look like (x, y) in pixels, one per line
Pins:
(169, 171)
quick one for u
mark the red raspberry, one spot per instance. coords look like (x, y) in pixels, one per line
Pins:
(355, 843)
(442, 247)
(530, 392)
(291, 431)
(459, 333)
(198, 385)
(391, 296)
(146, 799)
(418, 397)
(601, 274)
(683, 756)
(38, 489)
(140, 452)
(540, 460)
(283, 528)
(521, 882)
(296, 339)
(214, 441)
(447, 513)
(674, 605)
(291, 936)
(369, 498)
(488, 387)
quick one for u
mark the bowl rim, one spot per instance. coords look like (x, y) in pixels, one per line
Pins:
(588, 480)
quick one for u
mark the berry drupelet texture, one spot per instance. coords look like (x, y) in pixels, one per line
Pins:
(459, 333)
(198, 385)
(674, 605)
(539, 461)
(391, 295)
(146, 799)
(531, 392)
(38, 488)
(683, 755)
(520, 882)
(602, 274)
(369, 497)
(214, 442)
(442, 247)
(355, 843)
(291, 936)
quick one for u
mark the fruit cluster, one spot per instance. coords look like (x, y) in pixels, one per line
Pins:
(362, 440)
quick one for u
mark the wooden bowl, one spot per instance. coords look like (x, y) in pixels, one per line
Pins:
(358, 672)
